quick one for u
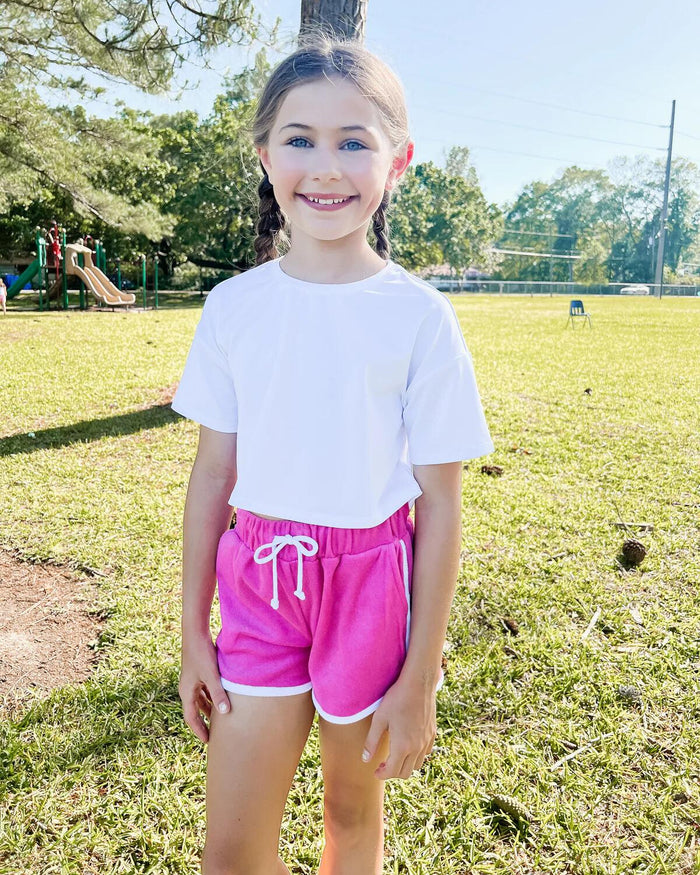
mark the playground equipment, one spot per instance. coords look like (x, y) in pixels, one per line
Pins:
(104, 291)
(35, 267)
(89, 265)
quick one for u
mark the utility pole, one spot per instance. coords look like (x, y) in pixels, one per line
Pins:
(659, 280)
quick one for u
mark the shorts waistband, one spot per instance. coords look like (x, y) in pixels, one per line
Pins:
(332, 541)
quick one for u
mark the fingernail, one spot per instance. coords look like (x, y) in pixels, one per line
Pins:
(223, 708)
(366, 756)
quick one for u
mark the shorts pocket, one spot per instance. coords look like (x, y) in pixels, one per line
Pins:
(225, 557)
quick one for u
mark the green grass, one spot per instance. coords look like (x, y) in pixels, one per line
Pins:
(104, 778)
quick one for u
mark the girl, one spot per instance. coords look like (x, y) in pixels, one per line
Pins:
(333, 390)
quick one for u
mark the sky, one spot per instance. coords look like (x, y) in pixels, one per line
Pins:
(530, 88)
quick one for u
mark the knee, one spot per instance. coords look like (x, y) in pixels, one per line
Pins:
(230, 859)
(348, 815)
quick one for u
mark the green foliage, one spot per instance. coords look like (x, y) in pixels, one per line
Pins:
(214, 173)
(611, 219)
(441, 216)
(47, 149)
(143, 42)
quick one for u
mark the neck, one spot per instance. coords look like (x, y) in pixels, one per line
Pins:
(331, 261)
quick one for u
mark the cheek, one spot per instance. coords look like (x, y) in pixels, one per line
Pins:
(287, 167)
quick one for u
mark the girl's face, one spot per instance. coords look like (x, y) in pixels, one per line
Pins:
(330, 160)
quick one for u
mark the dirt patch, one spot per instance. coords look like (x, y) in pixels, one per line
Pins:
(47, 630)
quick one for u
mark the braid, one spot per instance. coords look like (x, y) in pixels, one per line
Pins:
(379, 226)
(271, 224)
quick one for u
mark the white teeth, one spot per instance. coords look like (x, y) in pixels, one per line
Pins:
(321, 200)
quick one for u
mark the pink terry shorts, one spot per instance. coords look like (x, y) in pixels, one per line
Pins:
(308, 607)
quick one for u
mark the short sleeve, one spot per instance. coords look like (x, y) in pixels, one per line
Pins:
(206, 392)
(442, 411)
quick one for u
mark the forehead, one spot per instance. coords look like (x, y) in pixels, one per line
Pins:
(329, 104)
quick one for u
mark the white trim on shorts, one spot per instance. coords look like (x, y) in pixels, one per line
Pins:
(353, 718)
(246, 690)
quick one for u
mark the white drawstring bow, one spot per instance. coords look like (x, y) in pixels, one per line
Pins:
(278, 542)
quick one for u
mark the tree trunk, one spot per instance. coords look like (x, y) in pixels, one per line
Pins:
(346, 18)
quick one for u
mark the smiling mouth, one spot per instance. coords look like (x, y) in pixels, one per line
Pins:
(328, 201)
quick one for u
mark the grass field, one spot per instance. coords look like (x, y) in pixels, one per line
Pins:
(104, 777)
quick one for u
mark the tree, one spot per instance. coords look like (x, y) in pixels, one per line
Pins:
(633, 216)
(345, 18)
(611, 219)
(214, 171)
(142, 42)
(442, 217)
(44, 43)
(561, 217)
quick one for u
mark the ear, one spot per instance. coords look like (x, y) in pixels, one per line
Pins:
(399, 165)
(264, 156)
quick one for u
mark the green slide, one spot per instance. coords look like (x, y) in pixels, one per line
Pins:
(23, 279)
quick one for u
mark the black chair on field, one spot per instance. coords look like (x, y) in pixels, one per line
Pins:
(577, 311)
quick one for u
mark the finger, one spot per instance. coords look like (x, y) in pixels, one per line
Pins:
(401, 767)
(408, 768)
(195, 722)
(377, 729)
(218, 695)
(204, 705)
(393, 764)
(425, 754)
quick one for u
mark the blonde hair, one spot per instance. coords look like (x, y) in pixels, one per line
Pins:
(321, 57)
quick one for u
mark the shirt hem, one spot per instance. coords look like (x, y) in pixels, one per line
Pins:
(321, 520)
(204, 420)
(474, 452)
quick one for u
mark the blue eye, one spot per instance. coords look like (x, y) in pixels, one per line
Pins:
(295, 140)
(353, 143)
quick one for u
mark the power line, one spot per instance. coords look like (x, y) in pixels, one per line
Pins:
(475, 147)
(565, 108)
(495, 121)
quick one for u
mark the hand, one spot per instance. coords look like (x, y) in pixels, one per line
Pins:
(407, 714)
(200, 685)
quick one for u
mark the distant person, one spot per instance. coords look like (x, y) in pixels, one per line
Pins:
(53, 239)
(3, 296)
(333, 390)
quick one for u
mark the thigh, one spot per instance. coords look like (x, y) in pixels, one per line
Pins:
(253, 753)
(351, 789)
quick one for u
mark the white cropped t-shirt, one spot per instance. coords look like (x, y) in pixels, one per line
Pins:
(334, 390)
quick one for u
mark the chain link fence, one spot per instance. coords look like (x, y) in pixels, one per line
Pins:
(513, 287)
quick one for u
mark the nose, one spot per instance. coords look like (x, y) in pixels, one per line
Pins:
(326, 165)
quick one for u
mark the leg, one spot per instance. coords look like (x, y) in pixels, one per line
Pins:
(253, 753)
(353, 801)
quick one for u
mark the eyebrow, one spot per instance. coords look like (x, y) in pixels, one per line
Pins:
(310, 128)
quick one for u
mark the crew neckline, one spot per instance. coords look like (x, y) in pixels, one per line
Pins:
(332, 286)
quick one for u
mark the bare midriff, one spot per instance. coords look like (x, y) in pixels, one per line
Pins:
(263, 517)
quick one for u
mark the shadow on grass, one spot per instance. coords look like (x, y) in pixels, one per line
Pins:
(28, 304)
(89, 430)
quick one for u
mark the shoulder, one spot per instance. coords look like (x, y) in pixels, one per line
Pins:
(431, 307)
(422, 292)
(233, 291)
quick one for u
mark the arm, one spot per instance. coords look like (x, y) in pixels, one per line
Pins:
(207, 517)
(407, 711)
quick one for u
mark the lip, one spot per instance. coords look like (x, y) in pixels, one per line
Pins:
(325, 196)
